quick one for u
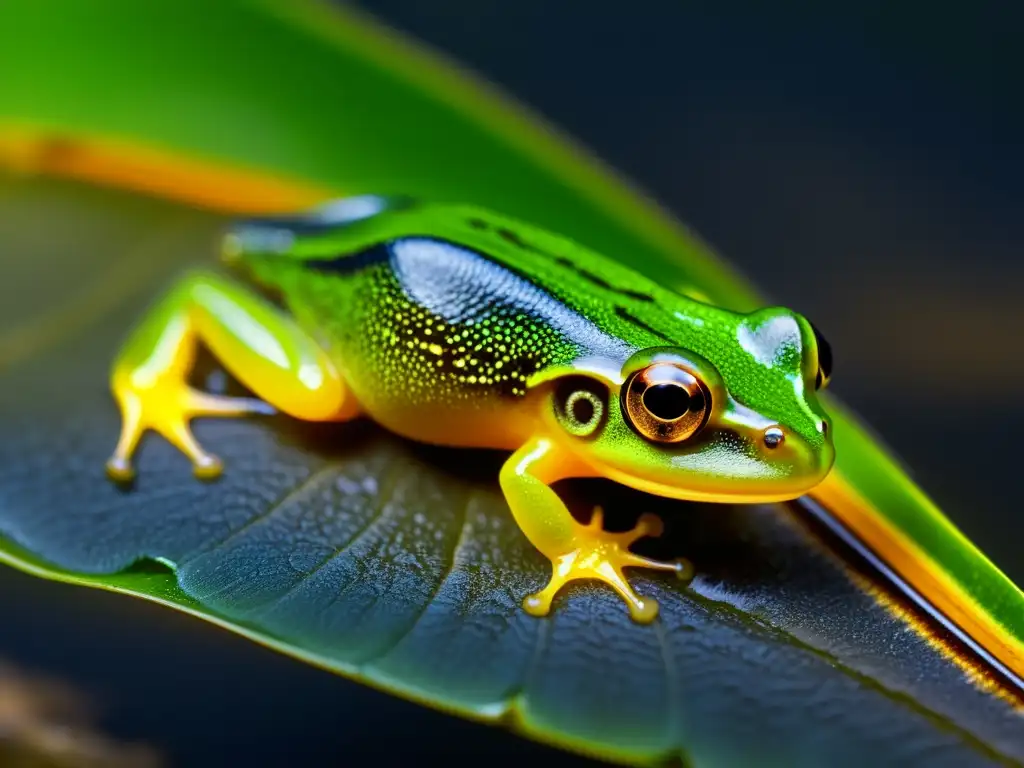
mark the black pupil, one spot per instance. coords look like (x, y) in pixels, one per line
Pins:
(582, 410)
(667, 401)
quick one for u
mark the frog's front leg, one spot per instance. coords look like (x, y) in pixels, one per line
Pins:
(261, 346)
(576, 551)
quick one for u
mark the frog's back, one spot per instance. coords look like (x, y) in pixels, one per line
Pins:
(620, 301)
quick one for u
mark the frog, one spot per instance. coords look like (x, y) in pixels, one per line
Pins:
(451, 324)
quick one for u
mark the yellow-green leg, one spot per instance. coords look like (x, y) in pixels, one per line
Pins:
(576, 551)
(261, 346)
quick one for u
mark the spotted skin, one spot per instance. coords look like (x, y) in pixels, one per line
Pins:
(431, 321)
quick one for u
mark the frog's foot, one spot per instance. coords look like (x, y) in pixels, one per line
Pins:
(167, 408)
(599, 554)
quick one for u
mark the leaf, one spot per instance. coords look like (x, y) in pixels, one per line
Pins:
(332, 101)
(400, 565)
(255, 104)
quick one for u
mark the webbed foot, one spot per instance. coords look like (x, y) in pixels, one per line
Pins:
(167, 407)
(599, 554)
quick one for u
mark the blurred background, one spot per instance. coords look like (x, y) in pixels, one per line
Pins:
(863, 167)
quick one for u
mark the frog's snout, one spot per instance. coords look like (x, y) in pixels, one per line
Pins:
(808, 458)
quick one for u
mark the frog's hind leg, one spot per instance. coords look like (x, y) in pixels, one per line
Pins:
(576, 551)
(261, 346)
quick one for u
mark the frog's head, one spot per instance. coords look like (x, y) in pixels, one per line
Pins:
(732, 417)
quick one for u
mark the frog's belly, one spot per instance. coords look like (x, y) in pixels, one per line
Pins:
(477, 421)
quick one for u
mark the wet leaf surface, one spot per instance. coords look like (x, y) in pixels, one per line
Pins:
(400, 564)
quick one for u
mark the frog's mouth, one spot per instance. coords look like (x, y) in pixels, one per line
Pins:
(738, 479)
(727, 492)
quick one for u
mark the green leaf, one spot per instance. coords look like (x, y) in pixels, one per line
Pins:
(325, 96)
(400, 565)
(323, 101)
(337, 105)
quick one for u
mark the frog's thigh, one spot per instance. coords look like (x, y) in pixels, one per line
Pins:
(576, 551)
(260, 345)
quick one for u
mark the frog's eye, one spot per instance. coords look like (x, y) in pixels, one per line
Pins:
(824, 374)
(581, 405)
(666, 403)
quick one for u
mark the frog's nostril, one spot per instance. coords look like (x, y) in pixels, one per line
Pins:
(774, 437)
(824, 428)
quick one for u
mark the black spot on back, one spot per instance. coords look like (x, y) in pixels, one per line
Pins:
(349, 262)
(515, 239)
(626, 315)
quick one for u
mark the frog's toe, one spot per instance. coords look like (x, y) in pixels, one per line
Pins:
(650, 525)
(120, 469)
(539, 603)
(596, 519)
(119, 465)
(683, 569)
(600, 555)
(205, 466)
(643, 610)
(207, 404)
(167, 408)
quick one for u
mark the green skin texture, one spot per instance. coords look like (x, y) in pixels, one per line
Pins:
(759, 368)
(422, 128)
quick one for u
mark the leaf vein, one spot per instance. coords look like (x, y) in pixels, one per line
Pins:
(444, 576)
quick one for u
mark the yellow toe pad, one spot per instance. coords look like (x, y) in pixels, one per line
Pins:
(599, 554)
(167, 407)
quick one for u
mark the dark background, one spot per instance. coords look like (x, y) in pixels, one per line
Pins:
(861, 166)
